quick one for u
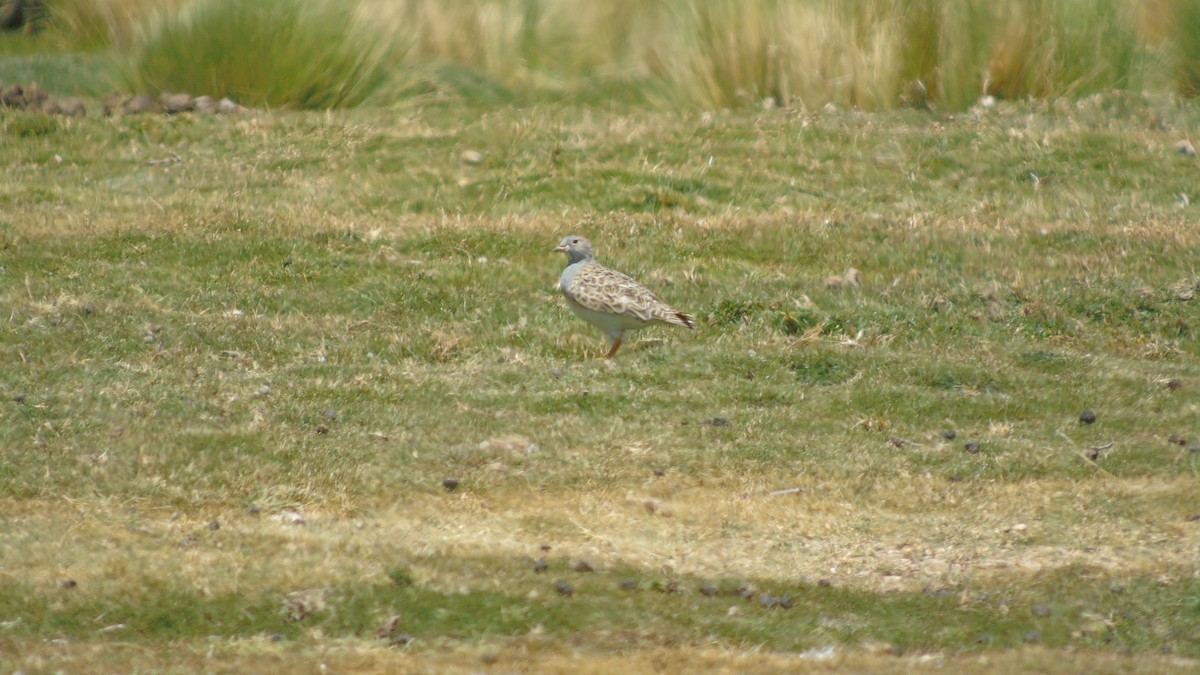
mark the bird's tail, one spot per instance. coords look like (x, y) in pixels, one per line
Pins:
(681, 319)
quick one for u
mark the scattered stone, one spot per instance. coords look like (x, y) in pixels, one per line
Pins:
(1195, 517)
(1116, 589)
(1041, 611)
(112, 103)
(214, 526)
(540, 565)
(563, 588)
(708, 590)
(949, 434)
(226, 106)
(142, 103)
(1194, 449)
(205, 105)
(330, 414)
(972, 447)
(68, 584)
(983, 639)
(1087, 417)
(629, 585)
(253, 510)
(824, 583)
(12, 97)
(290, 518)
(322, 429)
(767, 601)
(451, 484)
(173, 104)
(471, 157)
(659, 472)
(544, 548)
(1185, 148)
(784, 602)
(1093, 454)
(490, 658)
(264, 390)
(582, 566)
(19, 399)
(1033, 636)
(715, 422)
(1176, 439)
(1174, 384)
(188, 542)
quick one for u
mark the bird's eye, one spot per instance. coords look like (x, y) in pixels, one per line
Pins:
(574, 241)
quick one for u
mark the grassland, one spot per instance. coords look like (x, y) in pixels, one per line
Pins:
(241, 356)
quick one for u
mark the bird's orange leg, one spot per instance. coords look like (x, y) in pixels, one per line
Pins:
(616, 345)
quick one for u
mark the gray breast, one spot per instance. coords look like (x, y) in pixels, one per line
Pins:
(568, 275)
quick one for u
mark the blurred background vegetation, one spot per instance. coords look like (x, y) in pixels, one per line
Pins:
(708, 54)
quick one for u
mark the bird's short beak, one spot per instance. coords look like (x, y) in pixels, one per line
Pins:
(559, 248)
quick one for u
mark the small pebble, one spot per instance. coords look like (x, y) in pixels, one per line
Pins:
(949, 434)
(563, 588)
(582, 565)
(708, 590)
(657, 472)
(19, 398)
(451, 484)
(972, 448)
(824, 583)
(264, 390)
(1040, 611)
(471, 157)
(322, 429)
(1033, 636)
(1176, 439)
(785, 602)
(1087, 417)
(767, 601)
(1174, 384)
(540, 565)
(214, 526)
(1185, 148)
(253, 509)
(629, 585)
(330, 414)
(68, 584)
(715, 422)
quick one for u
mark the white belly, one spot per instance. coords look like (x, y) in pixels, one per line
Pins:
(612, 324)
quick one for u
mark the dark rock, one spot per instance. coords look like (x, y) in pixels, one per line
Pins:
(563, 588)
(972, 447)
(1087, 417)
(451, 484)
(949, 434)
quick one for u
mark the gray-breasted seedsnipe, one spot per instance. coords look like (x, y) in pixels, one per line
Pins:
(609, 300)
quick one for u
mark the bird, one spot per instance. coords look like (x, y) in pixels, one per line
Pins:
(609, 300)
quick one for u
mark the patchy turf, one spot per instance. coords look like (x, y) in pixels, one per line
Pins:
(322, 317)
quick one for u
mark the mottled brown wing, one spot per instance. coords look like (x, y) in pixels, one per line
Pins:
(603, 290)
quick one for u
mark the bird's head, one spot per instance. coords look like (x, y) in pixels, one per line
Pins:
(577, 248)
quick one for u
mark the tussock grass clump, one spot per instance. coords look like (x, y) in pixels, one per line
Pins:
(1187, 46)
(100, 24)
(875, 55)
(270, 53)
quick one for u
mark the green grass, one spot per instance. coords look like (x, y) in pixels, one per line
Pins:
(226, 319)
